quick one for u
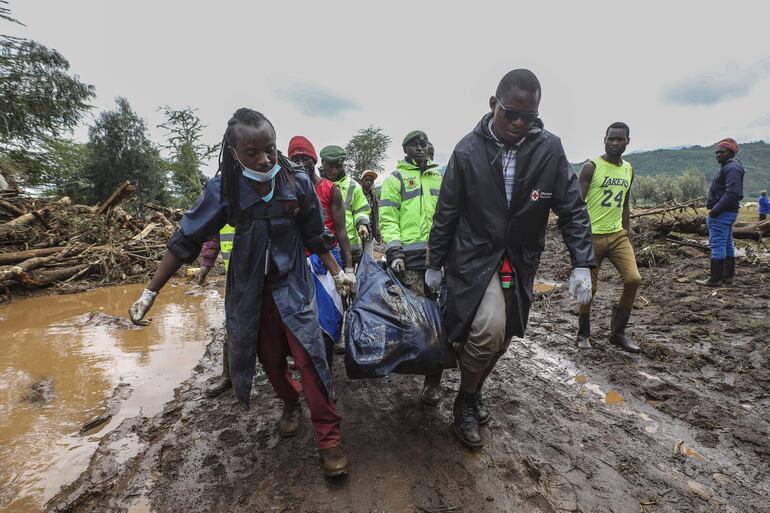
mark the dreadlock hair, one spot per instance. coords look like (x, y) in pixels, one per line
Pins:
(229, 167)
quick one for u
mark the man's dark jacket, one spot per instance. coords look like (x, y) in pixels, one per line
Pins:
(726, 189)
(473, 226)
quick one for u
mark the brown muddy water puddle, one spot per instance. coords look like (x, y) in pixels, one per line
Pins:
(61, 358)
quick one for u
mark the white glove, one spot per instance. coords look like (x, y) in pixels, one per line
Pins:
(344, 283)
(139, 309)
(398, 265)
(580, 285)
(363, 232)
(433, 279)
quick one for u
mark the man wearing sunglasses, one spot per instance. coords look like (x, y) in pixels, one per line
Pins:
(489, 230)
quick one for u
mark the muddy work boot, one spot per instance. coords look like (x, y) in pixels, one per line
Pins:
(584, 332)
(333, 461)
(466, 421)
(431, 389)
(729, 273)
(288, 424)
(223, 382)
(620, 317)
(717, 274)
(481, 408)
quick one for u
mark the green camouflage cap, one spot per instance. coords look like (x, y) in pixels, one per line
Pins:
(414, 134)
(333, 155)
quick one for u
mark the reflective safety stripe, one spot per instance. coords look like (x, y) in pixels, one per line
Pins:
(411, 194)
(415, 246)
(388, 203)
(434, 192)
(392, 244)
(362, 209)
(349, 198)
(226, 236)
(225, 255)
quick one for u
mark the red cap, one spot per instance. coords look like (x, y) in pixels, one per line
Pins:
(730, 144)
(301, 146)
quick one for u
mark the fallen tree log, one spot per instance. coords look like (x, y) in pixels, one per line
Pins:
(8, 207)
(123, 191)
(144, 233)
(43, 278)
(31, 216)
(16, 272)
(20, 256)
(697, 225)
(662, 209)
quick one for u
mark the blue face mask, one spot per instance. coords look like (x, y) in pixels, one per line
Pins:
(260, 177)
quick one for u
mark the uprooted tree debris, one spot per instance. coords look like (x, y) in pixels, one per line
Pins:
(45, 242)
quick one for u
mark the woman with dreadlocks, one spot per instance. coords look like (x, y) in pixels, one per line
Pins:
(270, 299)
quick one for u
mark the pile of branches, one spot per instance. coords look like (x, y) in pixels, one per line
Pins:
(47, 242)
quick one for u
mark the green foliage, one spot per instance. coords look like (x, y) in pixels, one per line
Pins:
(5, 13)
(367, 150)
(188, 153)
(755, 157)
(692, 185)
(38, 96)
(654, 190)
(55, 166)
(120, 150)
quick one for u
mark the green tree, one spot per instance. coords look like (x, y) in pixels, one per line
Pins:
(184, 133)
(119, 150)
(643, 190)
(367, 150)
(38, 96)
(57, 166)
(692, 185)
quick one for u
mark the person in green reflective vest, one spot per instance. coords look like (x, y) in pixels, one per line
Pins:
(407, 203)
(357, 209)
(221, 244)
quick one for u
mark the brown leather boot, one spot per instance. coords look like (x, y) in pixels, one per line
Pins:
(333, 461)
(223, 382)
(431, 389)
(288, 424)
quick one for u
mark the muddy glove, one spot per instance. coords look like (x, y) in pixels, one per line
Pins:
(351, 276)
(398, 265)
(139, 309)
(363, 232)
(344, 283)
(433, 279)
(202, 273)
(580, 285)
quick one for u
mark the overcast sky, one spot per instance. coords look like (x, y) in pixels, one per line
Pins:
(678, 72)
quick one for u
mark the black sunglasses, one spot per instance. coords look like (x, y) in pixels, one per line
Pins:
(513, 114)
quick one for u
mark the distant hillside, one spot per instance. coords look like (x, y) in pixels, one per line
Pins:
(755, 157)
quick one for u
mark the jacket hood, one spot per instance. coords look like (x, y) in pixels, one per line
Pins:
(482, 128)
(403, 165)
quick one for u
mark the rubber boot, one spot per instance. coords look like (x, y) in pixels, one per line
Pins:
(288, 424)
(583, 340)
(466, 422)
(223, 382)
(333, 461)
(717, 274)
(620, 317)
(481, 408)
(729, 274)
(431, 389)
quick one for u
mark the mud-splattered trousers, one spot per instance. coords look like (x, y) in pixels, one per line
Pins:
(276, 342)
(617, 248)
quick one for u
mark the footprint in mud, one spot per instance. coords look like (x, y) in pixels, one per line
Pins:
(40, 392)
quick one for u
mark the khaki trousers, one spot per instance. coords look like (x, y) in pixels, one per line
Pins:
(487, 335)
(617, 248)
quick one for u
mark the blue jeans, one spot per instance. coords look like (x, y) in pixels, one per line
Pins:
(721, 235)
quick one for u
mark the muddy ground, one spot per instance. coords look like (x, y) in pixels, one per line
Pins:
(683, 427)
